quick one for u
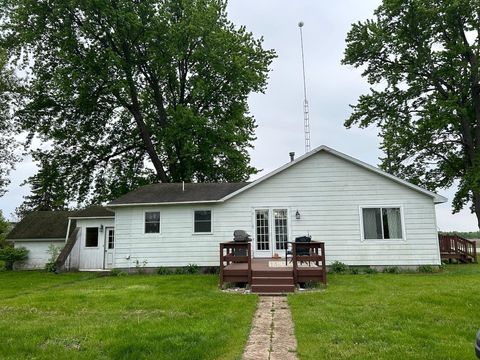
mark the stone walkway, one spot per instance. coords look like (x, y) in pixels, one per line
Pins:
(272, 336)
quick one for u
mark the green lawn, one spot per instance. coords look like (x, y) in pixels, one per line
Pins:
(391, 316)
(83, 316)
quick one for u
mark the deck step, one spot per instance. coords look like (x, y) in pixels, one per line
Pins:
(268, 280)
(273, 289)
(272, 273)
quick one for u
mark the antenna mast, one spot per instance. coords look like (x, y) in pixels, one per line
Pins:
(306, 115)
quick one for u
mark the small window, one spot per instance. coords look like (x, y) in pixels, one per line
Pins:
(203, 221)
(91, 237)
(152, 222)
(382, 223)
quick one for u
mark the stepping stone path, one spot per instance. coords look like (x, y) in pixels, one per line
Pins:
(272, 336)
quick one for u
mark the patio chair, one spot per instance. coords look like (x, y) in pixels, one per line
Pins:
(300, 250)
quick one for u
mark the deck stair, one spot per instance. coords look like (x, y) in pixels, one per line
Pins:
(275, 281)
(454, 247)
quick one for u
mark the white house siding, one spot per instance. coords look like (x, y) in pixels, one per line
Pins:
(326, 190)
(38, 254)
(84, 258)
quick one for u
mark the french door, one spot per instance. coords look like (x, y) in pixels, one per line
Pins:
(271, 232)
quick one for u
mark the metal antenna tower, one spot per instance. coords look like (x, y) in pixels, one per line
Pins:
(306, 116)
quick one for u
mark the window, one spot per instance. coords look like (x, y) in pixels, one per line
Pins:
(111, 239)
(202, 222)
(91, 237)
(262, 233)
(281, 230)
(382, 223)
(152, 222)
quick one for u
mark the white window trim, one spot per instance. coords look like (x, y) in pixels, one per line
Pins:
(383, 241)
(85, 238)
(212, 219)
(159, 222)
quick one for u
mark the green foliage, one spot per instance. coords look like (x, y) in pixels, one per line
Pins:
(391, 270)
(164, 271)
(11, 255)
(192, 269)
(180, 271)
(390, 317)
(338, 267)
(371, 270)
(140, 266)
(466, 235)
(354, 270)
(185, 318)
(421, 58)
(427, 269)
(53, 251)
(4, 229)
(131, 93)
(118, 272)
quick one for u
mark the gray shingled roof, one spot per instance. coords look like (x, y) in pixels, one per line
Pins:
(41, 225)
(52, 224)
(173, 193)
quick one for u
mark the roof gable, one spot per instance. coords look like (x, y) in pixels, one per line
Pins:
(437, 198)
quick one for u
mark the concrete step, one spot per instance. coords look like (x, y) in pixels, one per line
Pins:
(272, 280)
(273, 289)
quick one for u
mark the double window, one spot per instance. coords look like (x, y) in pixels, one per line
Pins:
(382, 223)
(202, 221)
(152, 222)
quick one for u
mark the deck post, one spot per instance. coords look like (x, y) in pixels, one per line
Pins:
(221, 265)
(294, 251)
(475, 251)
(249, 249)
(324, 267)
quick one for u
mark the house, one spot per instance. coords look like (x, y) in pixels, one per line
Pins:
(363, 215)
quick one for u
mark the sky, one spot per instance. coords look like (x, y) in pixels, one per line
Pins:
(331, 88)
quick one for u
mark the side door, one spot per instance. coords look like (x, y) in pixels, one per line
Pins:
(109, 260)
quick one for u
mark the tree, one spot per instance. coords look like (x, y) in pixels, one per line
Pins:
(130, 92)
(8, 143)
(11, 255)
(422, 59)
(4, 229)
(47, 193)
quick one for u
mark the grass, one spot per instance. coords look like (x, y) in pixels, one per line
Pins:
(84, 316)
(391, 316)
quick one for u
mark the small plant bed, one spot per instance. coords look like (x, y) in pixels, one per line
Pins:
(426, 314)
(87, 316)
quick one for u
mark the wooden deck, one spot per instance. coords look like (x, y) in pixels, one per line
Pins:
(268, 275)
(454, 247)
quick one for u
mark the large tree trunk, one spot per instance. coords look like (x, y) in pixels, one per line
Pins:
(476, 206)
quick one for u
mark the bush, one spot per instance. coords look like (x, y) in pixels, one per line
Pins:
(370, 270)
(180, 271)
(192, 269)
(338, 267)
(354, 270)
(164, 271)
(426, 269)
(391, 270)
(54, 251)
(11, 255)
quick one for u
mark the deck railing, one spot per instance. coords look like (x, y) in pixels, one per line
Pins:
(233, 252)
(307, 253)
(457, 247)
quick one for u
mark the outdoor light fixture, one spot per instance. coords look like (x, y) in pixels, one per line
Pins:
(101, 228)
(297, 215)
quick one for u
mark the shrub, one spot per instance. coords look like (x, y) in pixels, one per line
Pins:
(11, 255)
(426, 269)
(192, 269)
(180, 271)
(338, 267)
(54, 251)
(370, 270)
(140, 266)
(164, 271)
(354, 271)
(118, 272)
(391, 270)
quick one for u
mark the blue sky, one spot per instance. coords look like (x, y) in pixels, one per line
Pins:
(278, 112)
